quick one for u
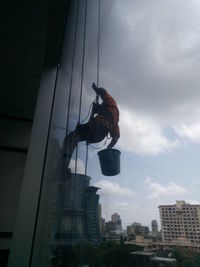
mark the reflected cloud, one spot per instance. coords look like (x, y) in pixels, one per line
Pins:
(143, 135)
(80, 166)
(159, 191)
(110, 188)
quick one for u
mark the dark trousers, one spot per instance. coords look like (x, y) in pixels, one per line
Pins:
(92, 132)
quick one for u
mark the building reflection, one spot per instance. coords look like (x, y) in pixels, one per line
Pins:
(76, 211)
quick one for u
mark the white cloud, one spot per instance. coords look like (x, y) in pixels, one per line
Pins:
(110, 188)
(116, 198)
(193, 202)
(123, 205)
(80, 166)
(143, 135)
(149, 54)
(159, 191)
(190, 132)
(153, 70)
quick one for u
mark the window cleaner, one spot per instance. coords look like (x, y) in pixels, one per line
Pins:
(104, 119)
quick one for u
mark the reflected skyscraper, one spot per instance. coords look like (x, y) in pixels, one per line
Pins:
(92, 214)
(76, 208)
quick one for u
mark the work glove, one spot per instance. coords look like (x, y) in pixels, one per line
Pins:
(94, 86)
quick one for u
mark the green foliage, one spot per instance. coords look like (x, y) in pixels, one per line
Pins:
(106, 254)
(186, 257)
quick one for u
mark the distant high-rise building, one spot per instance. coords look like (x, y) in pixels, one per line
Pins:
(154, 227)
(110, 227)
(115, 217)
(110, 232)
(117, 220)
(136, 229)
(181, 220)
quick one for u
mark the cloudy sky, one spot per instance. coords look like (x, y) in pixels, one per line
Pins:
(150, 63)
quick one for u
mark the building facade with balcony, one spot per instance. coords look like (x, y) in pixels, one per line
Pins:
(180, 221)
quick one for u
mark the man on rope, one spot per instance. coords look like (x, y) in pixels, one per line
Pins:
(103, 120)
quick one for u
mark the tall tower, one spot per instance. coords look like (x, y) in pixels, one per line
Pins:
(70, 207)
(154, 227)
(116, 219)
(77, 206)
(92, 214)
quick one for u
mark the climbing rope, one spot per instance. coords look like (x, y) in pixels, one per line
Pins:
(79, 117)
(82, 75)
(98, 43)
(84, 120)
(69, 102)
(90, 111)
(72, 69)
(86, 161)
(88, 115)
(98, 63)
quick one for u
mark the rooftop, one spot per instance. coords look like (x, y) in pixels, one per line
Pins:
(161, 259)
(143, 253)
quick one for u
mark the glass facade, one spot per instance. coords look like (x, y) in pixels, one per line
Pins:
(65, 207)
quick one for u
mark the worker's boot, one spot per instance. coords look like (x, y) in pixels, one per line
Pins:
(69, 146)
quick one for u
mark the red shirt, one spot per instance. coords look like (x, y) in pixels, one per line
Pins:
(111, 118)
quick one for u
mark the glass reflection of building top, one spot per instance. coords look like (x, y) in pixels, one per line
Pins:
(92, 214)
(75, 212)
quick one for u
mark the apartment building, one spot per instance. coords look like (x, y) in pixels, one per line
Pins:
(180, 221)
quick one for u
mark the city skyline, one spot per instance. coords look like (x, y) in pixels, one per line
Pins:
(159, 222)
(124, 228)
